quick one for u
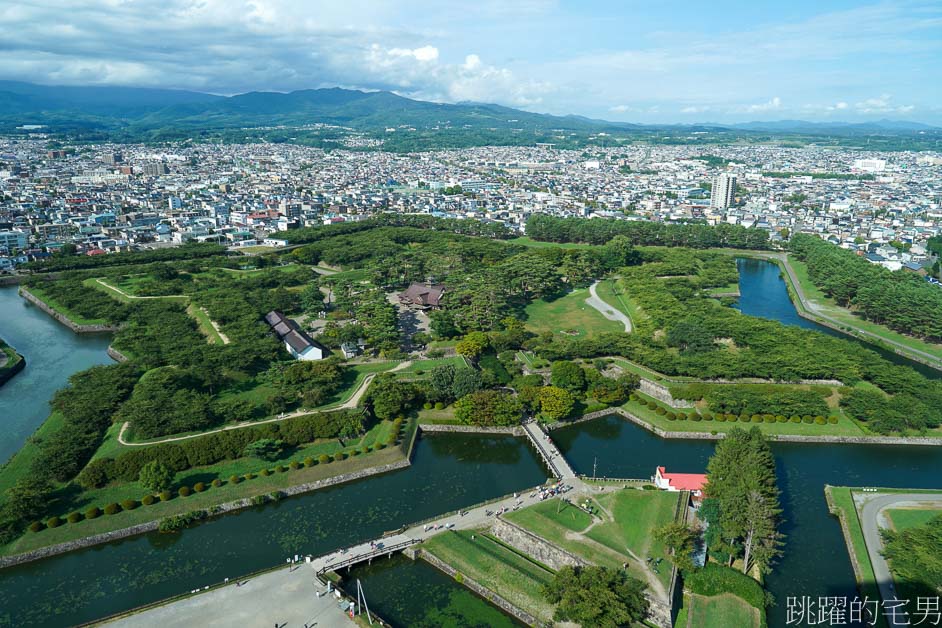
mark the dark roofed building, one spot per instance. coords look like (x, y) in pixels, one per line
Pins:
(297, 342)
(423, 295)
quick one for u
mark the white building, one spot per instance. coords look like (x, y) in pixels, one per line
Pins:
(724, 190)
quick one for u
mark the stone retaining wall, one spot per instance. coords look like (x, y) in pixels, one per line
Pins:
(65, 320)
(116, 355)
(785, 438)
(662, 394)
(151, 526)
(471, 429)
(532, 545)
(481, 590)
(845, 530)
(8, 374)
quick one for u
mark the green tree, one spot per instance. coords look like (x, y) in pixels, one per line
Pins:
(916, 554)
(156, 476)
(596, 596)
(555, 403)
(472, 345)
(568, 376)
(265, 449)
(488, 407)
(681, 541)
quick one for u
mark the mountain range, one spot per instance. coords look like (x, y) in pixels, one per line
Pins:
(143, 109)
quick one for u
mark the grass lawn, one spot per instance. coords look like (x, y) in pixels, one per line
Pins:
(445, 416)
(260, 485)
(842, 499)
(720, 611)
(427, 365)
(614, 296)
(622, 533)
(205, 324)
(525, 241)
(492, 564)
(569, 313)
(72, 316)
(905, 518)
(847, 318)
(843, 427)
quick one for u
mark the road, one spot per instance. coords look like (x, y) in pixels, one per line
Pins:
(872, 519)
(350, 403)
(815, 310)
(608, 311)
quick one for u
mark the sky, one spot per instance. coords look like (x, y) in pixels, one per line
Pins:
(627, 60)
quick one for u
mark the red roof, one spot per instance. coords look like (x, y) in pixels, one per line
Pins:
(685, 481)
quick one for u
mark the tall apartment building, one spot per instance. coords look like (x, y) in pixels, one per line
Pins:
(154, 169)
(724, 189)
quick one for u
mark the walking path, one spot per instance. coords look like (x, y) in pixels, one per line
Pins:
(547, 450)
(872, 518)
(608, 311)
(815, 310)
(133, 296)
(349, 404)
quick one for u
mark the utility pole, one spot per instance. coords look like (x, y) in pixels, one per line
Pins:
(361, 602)
(595, 464)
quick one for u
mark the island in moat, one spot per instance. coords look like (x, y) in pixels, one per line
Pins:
(11, 362)
(242, 379)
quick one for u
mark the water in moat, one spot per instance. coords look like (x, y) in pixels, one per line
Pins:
(52, 352)
(448, 472)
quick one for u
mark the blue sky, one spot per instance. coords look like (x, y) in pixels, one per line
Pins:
(640, 61)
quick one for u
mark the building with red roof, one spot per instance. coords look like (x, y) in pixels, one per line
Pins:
(693, 482)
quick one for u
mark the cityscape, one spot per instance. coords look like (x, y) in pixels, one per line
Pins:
(529, 314)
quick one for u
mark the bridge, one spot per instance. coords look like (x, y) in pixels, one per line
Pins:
(548, 452)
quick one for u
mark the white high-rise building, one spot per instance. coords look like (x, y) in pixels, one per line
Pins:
(723, 191)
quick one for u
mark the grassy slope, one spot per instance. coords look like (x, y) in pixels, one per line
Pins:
(843, 501)
(721, 611)
(569, 312)
(213, 495)
(844, 426)
(492, 564)
(72, 316)
(905, 518)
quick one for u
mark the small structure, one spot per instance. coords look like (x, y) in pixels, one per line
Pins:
(422, 295)
(297, 342)
(693, 482)
(349, 349)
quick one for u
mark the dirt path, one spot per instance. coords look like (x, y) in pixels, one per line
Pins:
(222, 336)
(607, 310)
(133, 296)
(346, 405)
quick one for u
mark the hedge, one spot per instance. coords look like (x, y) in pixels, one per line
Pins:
(129, 504)
(147, 500)
(74, 517)
(165, 496)
(54, 522)
(184, 491)
(112, 509)
(93, 513)
(36, 526)
(715, 579)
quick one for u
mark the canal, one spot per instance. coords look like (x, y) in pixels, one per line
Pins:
(52, 352)
(448, 472)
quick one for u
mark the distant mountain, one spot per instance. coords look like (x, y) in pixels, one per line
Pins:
(131, 111)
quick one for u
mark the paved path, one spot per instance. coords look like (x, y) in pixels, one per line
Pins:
(608, 311)
(547, 450)
(872, 519)
(134, 296)
(349, 404)
(815, 310)
(284, 597)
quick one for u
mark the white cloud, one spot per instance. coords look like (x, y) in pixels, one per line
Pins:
(772, 105)
(881, 104)
(695, 109)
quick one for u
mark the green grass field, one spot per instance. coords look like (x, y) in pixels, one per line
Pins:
(492, 564)
(569, 314)
(720, 611)
(205, 324)
(213, 495)
(905, 518)
(612, 294)
(843, 427)
(847, 318)
(622, 532)
(525, 241)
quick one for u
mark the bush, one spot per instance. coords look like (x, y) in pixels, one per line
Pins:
(36, 526)
(148, 500)
(833, 420)
(439, 405)
(323, 459)
(820, 420)
(217, 483)
(721, 418)
(280, 468)
(112, 509)
(294, 465)
(235, 479)
(129, 504)
(199, 487)
(165, 496)
(768, 418)
(795, 419)
(93, 513)
(695, 417)
(184, 491)
(309, 462)
(651, 405)
(74, 517)
(53, 522)
(339, 456)
(707, 416)
(264, 473)
(715, 579)
(671, 416)
(807, 419)
(427, 406)
(380, 445)
(681, 416)
(661, 411)
(781, 419)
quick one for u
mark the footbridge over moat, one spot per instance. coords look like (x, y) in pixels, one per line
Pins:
(557, 463)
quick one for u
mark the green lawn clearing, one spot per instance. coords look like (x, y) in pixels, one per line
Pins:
(570, 315)
(905, 518)
(720, 611)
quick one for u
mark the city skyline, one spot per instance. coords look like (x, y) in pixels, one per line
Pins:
(726, 63)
